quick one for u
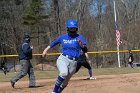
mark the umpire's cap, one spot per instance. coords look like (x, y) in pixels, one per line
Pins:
(26, 36)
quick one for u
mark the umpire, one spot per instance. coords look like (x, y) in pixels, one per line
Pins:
(25, 55)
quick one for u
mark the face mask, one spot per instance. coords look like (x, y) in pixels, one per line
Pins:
(72, 31)
(27, 40)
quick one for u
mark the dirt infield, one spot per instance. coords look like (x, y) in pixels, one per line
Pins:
(124, 83)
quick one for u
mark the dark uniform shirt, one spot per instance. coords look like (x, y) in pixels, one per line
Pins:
(25, 51)
(131, 58)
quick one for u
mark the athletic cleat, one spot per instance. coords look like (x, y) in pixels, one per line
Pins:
(32, 87)
(12, 83)
(91, 78)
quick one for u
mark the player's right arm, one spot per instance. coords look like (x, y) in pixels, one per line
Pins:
(55, 42)
(45, 51)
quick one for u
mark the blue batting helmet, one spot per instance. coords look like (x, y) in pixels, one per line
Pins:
(71, 24)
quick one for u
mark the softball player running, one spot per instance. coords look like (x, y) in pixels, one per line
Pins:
(71, 44)
(84, 61)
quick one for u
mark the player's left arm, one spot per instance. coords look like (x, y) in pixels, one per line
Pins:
(82, 44)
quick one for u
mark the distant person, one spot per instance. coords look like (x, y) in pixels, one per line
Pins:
(3, 68)
(84, 61)
(25, 55)
(130, 60)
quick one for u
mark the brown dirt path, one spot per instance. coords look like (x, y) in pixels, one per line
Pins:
(124, 83)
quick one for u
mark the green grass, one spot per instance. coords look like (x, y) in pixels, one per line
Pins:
(82, 72)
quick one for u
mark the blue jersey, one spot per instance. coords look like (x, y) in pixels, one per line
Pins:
(70, 45)
(25, 51)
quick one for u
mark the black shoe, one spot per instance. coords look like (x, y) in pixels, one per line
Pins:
(31, 86)
(12, 83)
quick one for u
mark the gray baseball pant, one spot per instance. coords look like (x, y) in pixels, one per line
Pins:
(66, 68)
(26, 68)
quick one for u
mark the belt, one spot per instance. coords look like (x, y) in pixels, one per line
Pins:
(71, 58)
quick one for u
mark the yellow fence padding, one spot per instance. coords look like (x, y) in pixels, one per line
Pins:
(96, 52)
